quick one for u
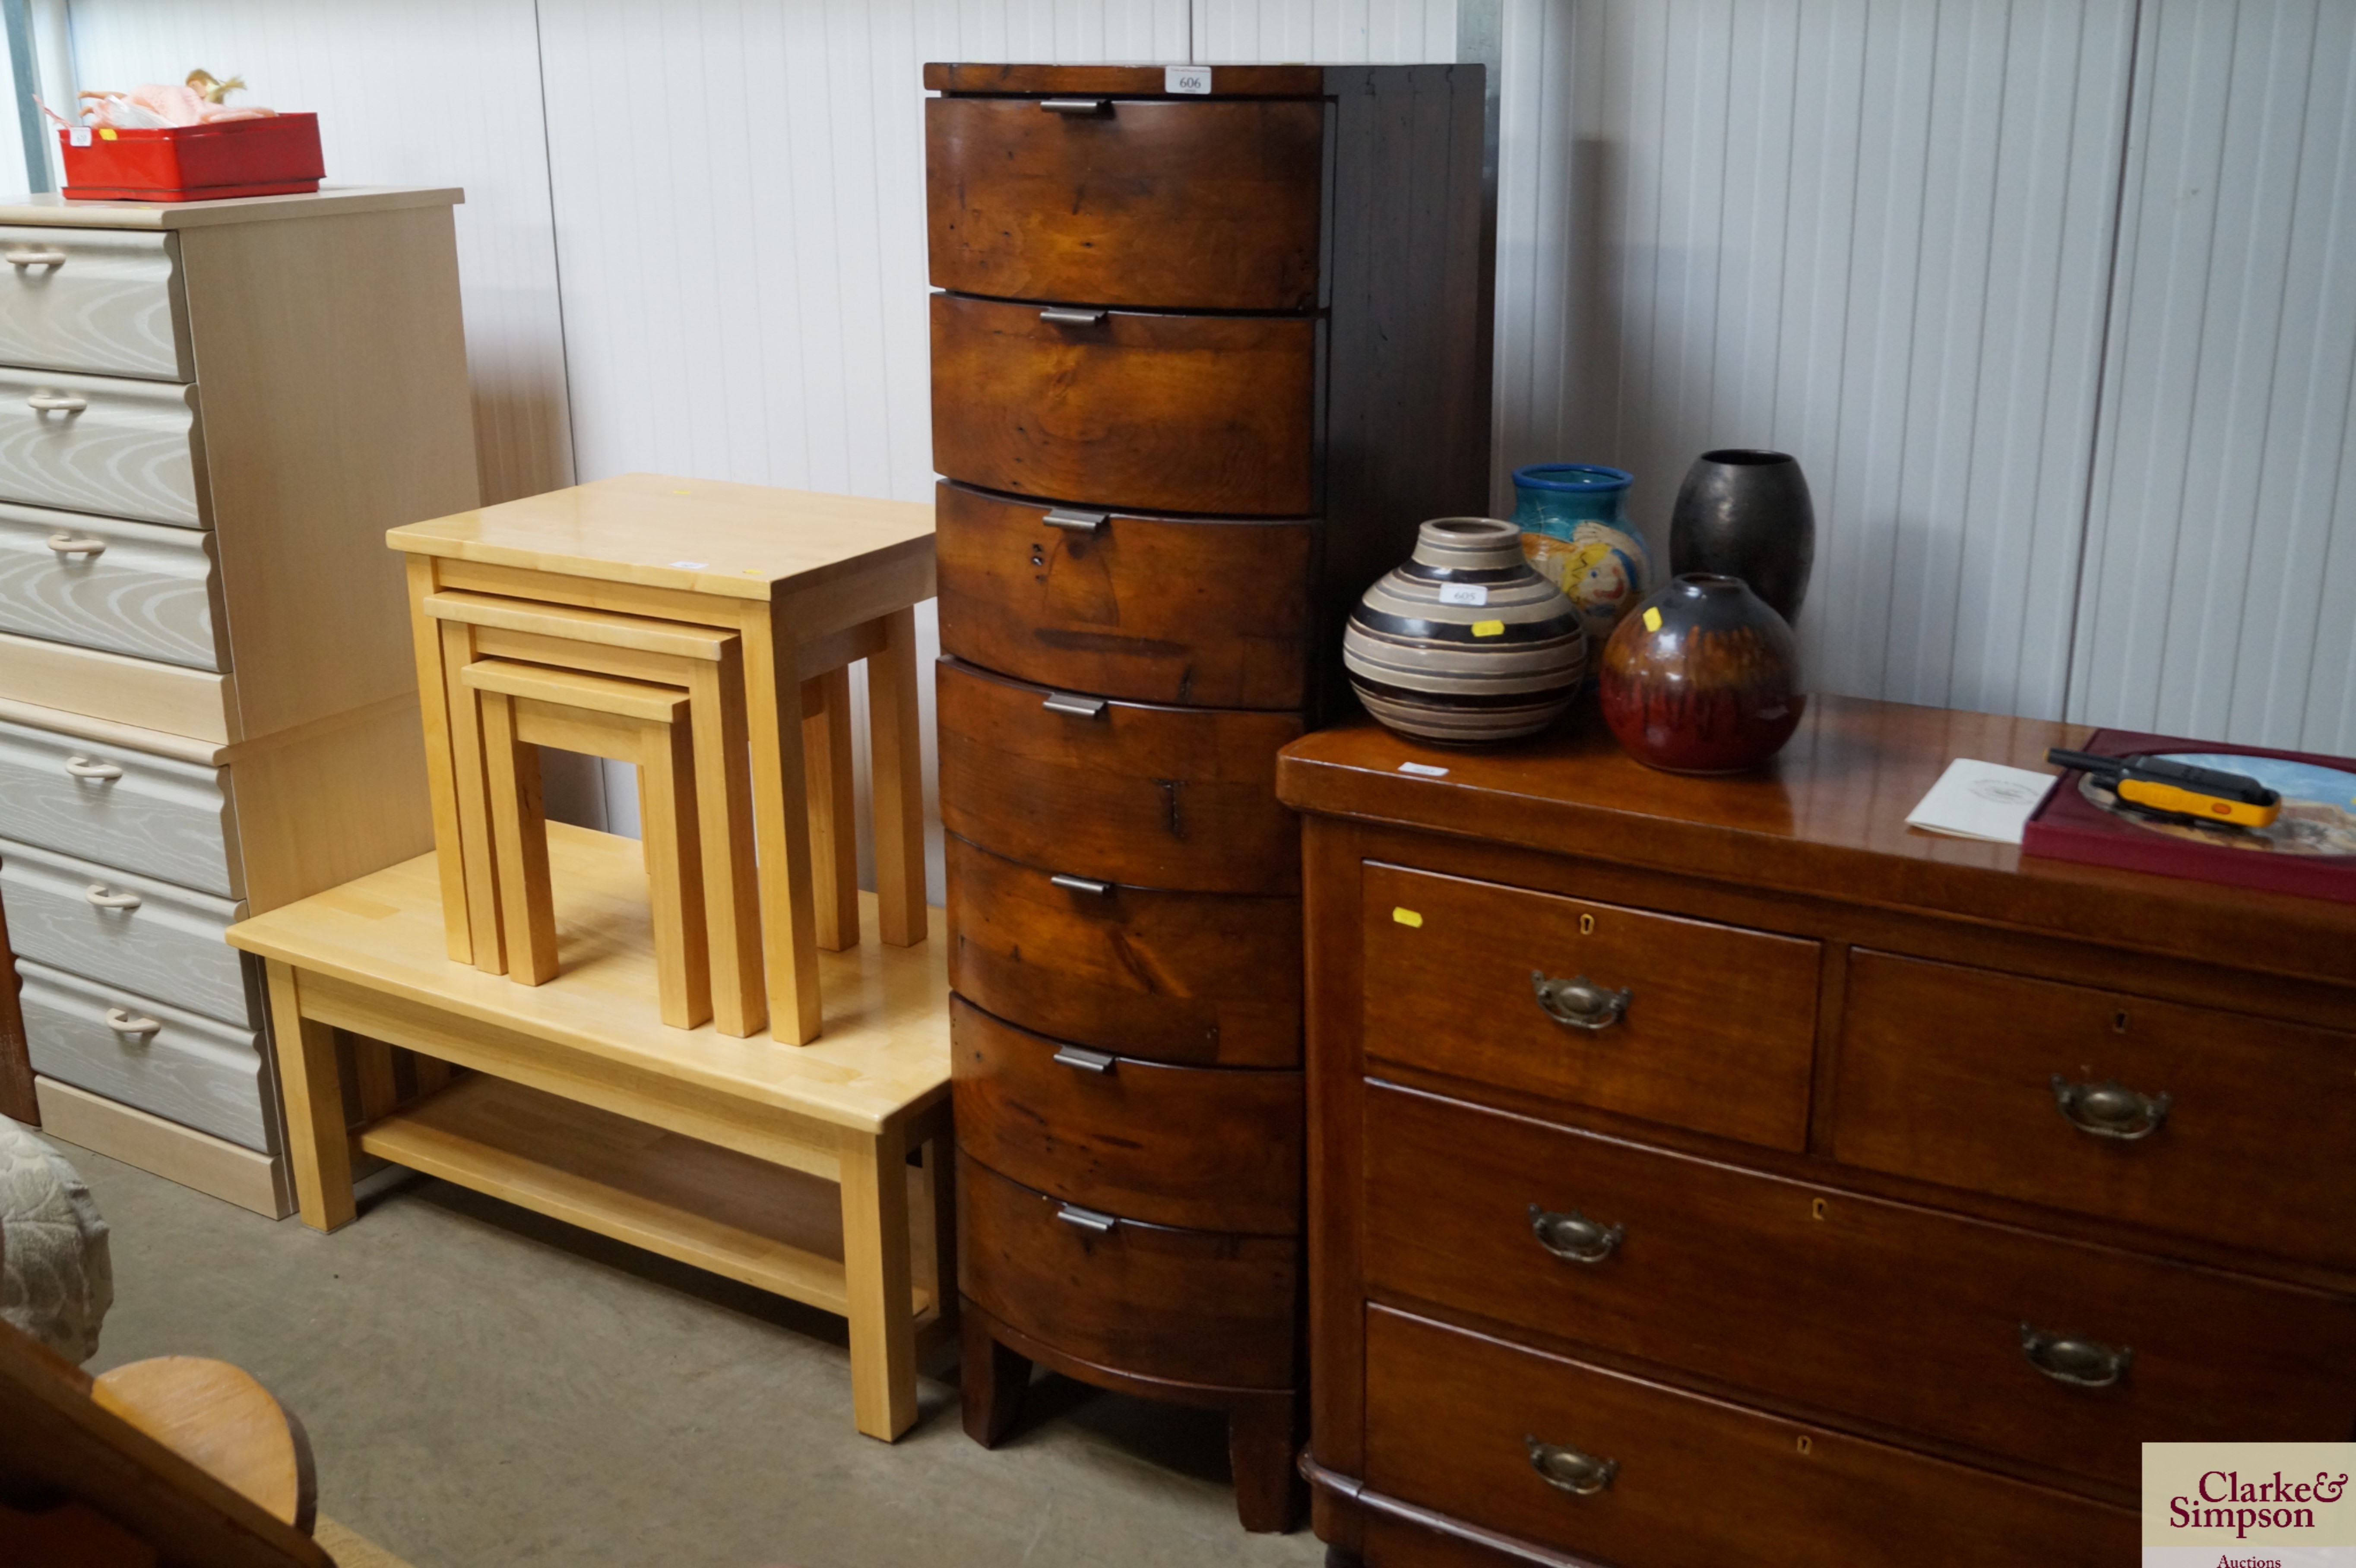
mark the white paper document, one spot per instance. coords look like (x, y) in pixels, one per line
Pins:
(1981, 800)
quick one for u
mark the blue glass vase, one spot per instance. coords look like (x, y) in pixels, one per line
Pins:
(1574, 523)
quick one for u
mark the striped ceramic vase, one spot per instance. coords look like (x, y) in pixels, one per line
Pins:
(1465, 644)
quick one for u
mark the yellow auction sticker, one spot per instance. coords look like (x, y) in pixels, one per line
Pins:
(1488, 628)
(1653, 619)
(2278, 1503)
(1407, 917)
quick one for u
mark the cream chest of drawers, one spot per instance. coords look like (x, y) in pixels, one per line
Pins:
(209, 415)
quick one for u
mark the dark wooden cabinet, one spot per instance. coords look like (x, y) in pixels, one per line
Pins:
(1791, 1238)
(1200, 365)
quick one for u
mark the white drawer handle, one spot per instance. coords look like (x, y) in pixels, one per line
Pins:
(78, 544)
(123, 1023)
(100, 897)
(36, 258)
(53, 402)
(83, 768)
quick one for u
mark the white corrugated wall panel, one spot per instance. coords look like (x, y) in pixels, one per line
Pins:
(1326, 32)
(2220, 596)
(1874, 235)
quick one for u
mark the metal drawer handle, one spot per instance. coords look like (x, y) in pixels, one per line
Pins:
(2111, 1110)
(1581, 1003)
(83, 768)
(2081, 1363)
(1085, 1218)
(22, 258)
(1075, 522)
(78, 544)
(52, 403)
(1566, 1469)
(1075, 317)
(1077, 706)
(1076, 105)
(100, 898)
(123, 1023)
(1086, 1060)
(1574, 1237)
(1081, 885)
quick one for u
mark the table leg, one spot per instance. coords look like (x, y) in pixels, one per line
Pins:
(1260, 1449)
(732, 894)
(441, 787)
(318, 1145)
(877, 1278)
(781, 828)
(991, 1380)
(518, 841)
(834, 808)
(474, 806)
(896, 774)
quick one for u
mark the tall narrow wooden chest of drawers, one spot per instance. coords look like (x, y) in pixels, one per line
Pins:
(209, 414)
(1206, 351)
(1707, 1172)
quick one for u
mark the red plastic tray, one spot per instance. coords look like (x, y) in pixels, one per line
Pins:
(276, 156)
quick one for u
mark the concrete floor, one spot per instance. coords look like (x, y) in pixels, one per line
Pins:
(483, 1388)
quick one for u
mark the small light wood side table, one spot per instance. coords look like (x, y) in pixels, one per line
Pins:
(789, 1170)
(810, 582)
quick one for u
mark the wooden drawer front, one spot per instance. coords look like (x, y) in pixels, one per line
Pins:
(1894, 1313)
(90, 299)
(1949, 1073)
(1210, 205)
(73, 915)
(1206, 979)
(191, 1069)
(1211, 1148)
(1181, 798)
(1716, 1036)
(1171, 413)
(1153, 609)
(1451, 1418)
(155, 815)
(1186, 1305)
(147, 592)
(129, 452)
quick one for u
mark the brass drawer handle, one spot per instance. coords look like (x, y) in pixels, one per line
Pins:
(1574, 1237)
(2111, 1110)
(1076, 105)
(83, 768)
(1075, 704)
(21, 257)
(1085, 1218)
(100, 898)
(1581, 1003)
(2081, 1363)
(1566, 1469)
(78, 544)
(123, 1023)
(57, 402)
(1071, 521)
(1074, 317)
(1086, 1060)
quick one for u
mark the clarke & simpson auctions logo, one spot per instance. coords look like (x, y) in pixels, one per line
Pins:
(2248, 1505)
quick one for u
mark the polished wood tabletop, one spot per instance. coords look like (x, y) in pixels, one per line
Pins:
(1826, 817)
(699, 536)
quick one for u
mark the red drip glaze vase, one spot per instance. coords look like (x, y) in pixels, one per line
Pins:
(1702, 677)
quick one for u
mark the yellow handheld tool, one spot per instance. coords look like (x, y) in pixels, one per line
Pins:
(2177, 792)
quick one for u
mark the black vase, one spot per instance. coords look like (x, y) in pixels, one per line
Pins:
(1747, 514)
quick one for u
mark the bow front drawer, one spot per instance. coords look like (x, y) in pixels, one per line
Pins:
(132, 1049)
(93, 443)
(1200, 1307)
(2144, 1112)
(97, 583)
(117, 806)
(93, 299)
(123, 929)
(2048, 1351)
(1166, 413)
(1153, 609)
(1213, 1149)
(1181, 798)
(1204, 206)
(1206, 979)
(1683, 1021)
(1617, 1469)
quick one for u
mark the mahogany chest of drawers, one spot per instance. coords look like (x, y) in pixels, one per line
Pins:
(1714, 1170)
(1202, 362)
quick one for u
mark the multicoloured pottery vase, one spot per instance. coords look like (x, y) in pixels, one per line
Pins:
(1702, 677)
(1575, 529)
(1465, 644)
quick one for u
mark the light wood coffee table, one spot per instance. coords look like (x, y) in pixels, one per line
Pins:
(788, 1170)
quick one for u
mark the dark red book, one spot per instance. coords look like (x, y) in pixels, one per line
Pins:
(2309, 850)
